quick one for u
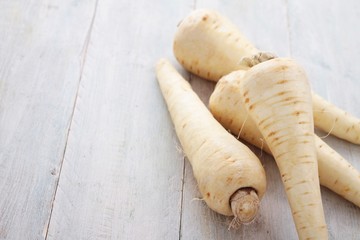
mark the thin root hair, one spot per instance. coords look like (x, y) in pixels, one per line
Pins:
(234, 224)
(261, 147)
(332, 128)
(242, 126)
(197, 199)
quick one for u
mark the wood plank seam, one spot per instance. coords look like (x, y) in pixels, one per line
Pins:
(71, 120)
(182, 195)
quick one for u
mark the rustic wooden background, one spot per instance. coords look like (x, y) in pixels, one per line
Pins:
(87, 148)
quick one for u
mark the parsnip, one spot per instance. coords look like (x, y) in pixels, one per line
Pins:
(277, 97)
(230, 177)
(335, 172)
(335, 121)
(209, 45)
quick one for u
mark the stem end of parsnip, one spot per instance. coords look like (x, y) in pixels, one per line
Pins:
(256, 59)
(245, 205)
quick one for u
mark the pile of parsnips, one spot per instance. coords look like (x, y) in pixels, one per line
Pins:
(266, 101)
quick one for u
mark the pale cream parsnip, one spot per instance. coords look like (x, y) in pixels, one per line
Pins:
(277, 96)
(230, 177)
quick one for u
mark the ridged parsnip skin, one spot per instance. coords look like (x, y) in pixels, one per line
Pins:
(199, 45)
(335, 120)
(277, 96)
(226, 106)
(335, 172)
(210, 46)
(220, 163)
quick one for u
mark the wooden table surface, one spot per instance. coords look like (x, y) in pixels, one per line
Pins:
(87, 148)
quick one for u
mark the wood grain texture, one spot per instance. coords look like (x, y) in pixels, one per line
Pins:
(39, 74)
(122, 172)
(87, 148)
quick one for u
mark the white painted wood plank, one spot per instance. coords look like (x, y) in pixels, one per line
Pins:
(40, 64)
(122, 172)
(325, 41)
(266, 25)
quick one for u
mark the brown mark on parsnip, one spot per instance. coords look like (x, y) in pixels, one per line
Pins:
(273, 122)
(279, 143)
(301, 182)
(282, 93)
(297, 113)
(296, 212)
(282, 154)
(282, 81)
(272, 134)
(252, 106)
(228, 180)
(307, 162)
(280, 68)
(290, 99)
(264, 120)
(278, 138)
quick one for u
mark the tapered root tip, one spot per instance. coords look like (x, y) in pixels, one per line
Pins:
(244, 205)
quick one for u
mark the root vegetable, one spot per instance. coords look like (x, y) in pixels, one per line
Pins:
(209, 45)
(335, 121)
(277, 97)
(205, 40)
(230, 177)
(335, 172)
